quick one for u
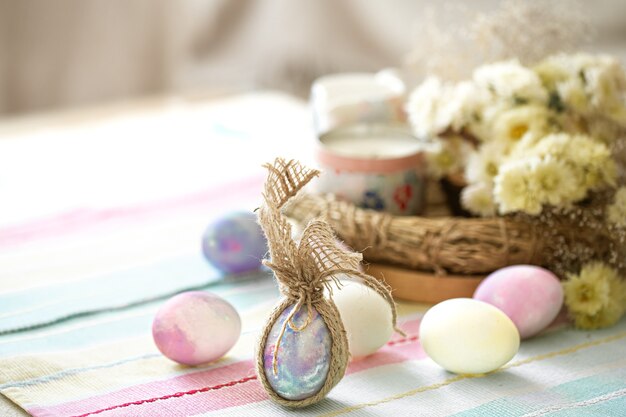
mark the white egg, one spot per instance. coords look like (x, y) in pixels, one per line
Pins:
(468, 336)
(366, 317)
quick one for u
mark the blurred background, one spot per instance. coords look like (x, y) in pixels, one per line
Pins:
(95, 203)
(69, 53)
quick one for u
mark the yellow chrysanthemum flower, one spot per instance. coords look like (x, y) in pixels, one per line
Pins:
(616, 212)
(478, 199)
(515, 189)
(553, 70)
(587, 84)
(588, 292)
(596, 297)
(572, 93)
(517, 122)
(607, 316)
(483, 165)
(606, 83)
(511, 80)
(591, 160)
(446, 156)
(556, 182)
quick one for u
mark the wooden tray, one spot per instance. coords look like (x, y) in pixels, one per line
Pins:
(423, 286)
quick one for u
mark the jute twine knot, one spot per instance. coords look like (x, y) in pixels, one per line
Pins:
(305, 271)
(301, 289)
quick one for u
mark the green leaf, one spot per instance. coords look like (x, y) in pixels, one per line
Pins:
(555, 102)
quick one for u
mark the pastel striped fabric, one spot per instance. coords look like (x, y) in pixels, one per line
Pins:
(80, 289)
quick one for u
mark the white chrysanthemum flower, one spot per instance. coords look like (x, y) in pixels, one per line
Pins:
(463, 104)
(555, 69)
(435, 107)
(527, 146)
(446, 156)
(606, 84)
(591, 160)
(586, 84)
(562, 67)
(555, 182)
(481, 124)
(515, 189)
(483, 164)
(616, 212)
(572, 93)
(511, 80)
(478, 199)
(517, 122)
(422, 109)
(555, 145)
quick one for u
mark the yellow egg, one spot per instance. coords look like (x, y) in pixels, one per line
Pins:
(468, 336)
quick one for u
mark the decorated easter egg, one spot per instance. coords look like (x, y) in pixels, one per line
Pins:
(302, 359)
(531, 296)
(234, 243)
(196, 327)
(366, 316)
(468, 336)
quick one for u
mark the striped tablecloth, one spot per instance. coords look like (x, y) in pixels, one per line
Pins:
(82, 275)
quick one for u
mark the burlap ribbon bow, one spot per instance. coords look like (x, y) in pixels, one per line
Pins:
(304, 270)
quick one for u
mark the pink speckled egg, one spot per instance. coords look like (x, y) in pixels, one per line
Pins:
(531, 296)
(196, 327)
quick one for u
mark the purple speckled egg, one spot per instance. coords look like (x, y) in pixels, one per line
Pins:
(234, 243)
(531, 296)
(196, 327)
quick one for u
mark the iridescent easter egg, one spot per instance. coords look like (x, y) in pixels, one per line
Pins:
(303, 357)
(234, 243)
(196, 327)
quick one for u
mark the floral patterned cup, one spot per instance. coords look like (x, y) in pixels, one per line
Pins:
(374, 166)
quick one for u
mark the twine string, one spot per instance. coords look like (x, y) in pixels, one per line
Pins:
(304, 270)
(305, 291)
(289, 322)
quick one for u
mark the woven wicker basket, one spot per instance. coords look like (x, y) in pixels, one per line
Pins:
(433, 258)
